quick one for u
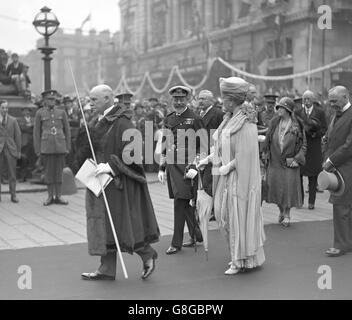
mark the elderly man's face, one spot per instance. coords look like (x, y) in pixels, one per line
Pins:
(337, 101)
(204, 102)
(98, 101)
(4, 109)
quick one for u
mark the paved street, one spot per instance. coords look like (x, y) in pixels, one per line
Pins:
(52, 242)
(29, 224)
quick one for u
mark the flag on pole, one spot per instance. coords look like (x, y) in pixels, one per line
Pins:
(89, 17)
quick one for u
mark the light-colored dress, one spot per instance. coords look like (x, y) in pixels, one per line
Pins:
(237, 195)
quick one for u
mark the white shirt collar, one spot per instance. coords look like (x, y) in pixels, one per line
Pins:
(206, 111)
(105, 113)
(178, 114)
(346, 107)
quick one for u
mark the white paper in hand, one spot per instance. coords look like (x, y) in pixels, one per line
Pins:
(86, 175)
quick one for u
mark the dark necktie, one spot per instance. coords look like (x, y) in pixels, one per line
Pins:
(4, 121)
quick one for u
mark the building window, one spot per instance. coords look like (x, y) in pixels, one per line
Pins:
(289, 46)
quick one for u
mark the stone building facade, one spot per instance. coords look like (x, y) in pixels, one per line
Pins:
(94, 59)
(264, 37)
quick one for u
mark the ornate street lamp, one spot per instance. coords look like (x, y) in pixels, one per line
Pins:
(46, 24)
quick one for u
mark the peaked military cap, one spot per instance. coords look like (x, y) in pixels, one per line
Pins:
(50, 94)
(271, 97)
(67, 99)
(180, 91)
(124, 97)
(298, 100)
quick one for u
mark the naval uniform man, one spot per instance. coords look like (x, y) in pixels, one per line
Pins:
(52, 142)
(176, 166)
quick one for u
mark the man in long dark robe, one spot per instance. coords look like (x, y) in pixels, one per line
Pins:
(128, 195)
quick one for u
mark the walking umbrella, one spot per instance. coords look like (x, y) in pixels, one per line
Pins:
(204, 206)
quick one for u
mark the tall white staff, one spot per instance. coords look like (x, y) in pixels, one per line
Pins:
(95, 160)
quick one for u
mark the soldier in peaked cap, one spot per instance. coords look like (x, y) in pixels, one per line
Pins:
(125, 98)
(52, 141)
(265, 116)
(175, 166)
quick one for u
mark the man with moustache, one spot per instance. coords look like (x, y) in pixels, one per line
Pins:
(338, 156)
(313, 120)
(175, 167)
(128, 196)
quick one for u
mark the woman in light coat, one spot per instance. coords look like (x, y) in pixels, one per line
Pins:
(237, 179)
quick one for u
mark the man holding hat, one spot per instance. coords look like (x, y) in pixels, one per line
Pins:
(174, 165)
(338, 155)
(52, 142)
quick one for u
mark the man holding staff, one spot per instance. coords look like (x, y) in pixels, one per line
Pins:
(127, 195)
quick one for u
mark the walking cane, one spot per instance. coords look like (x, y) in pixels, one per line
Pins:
(95, 160)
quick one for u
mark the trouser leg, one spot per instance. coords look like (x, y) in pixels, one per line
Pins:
(313, 183)
(51, 188)
(192, 225)
(11, 168)
(58, 190)
(108, 264)
(342, 227)
(180, 206)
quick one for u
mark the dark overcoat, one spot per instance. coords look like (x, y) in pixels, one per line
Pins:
(129, 200)
(284, 186)
(315, 128)
(339, 151)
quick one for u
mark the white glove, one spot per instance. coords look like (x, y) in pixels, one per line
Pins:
(191, 174)
(162, 177)
(224, 170)
(261, 138)
(103, 168)
(202, 163)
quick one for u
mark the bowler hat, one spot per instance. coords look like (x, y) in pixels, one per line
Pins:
(180, 91)
(124, 97)
(286, 103)
(333, 182)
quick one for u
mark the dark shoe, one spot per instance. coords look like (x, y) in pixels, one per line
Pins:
(189, 244)
(333, 252)
(172, 250)
(48, 202)
(149, 266)
(311, 206)
(61, 201)
(93, 276)
(14, 199)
